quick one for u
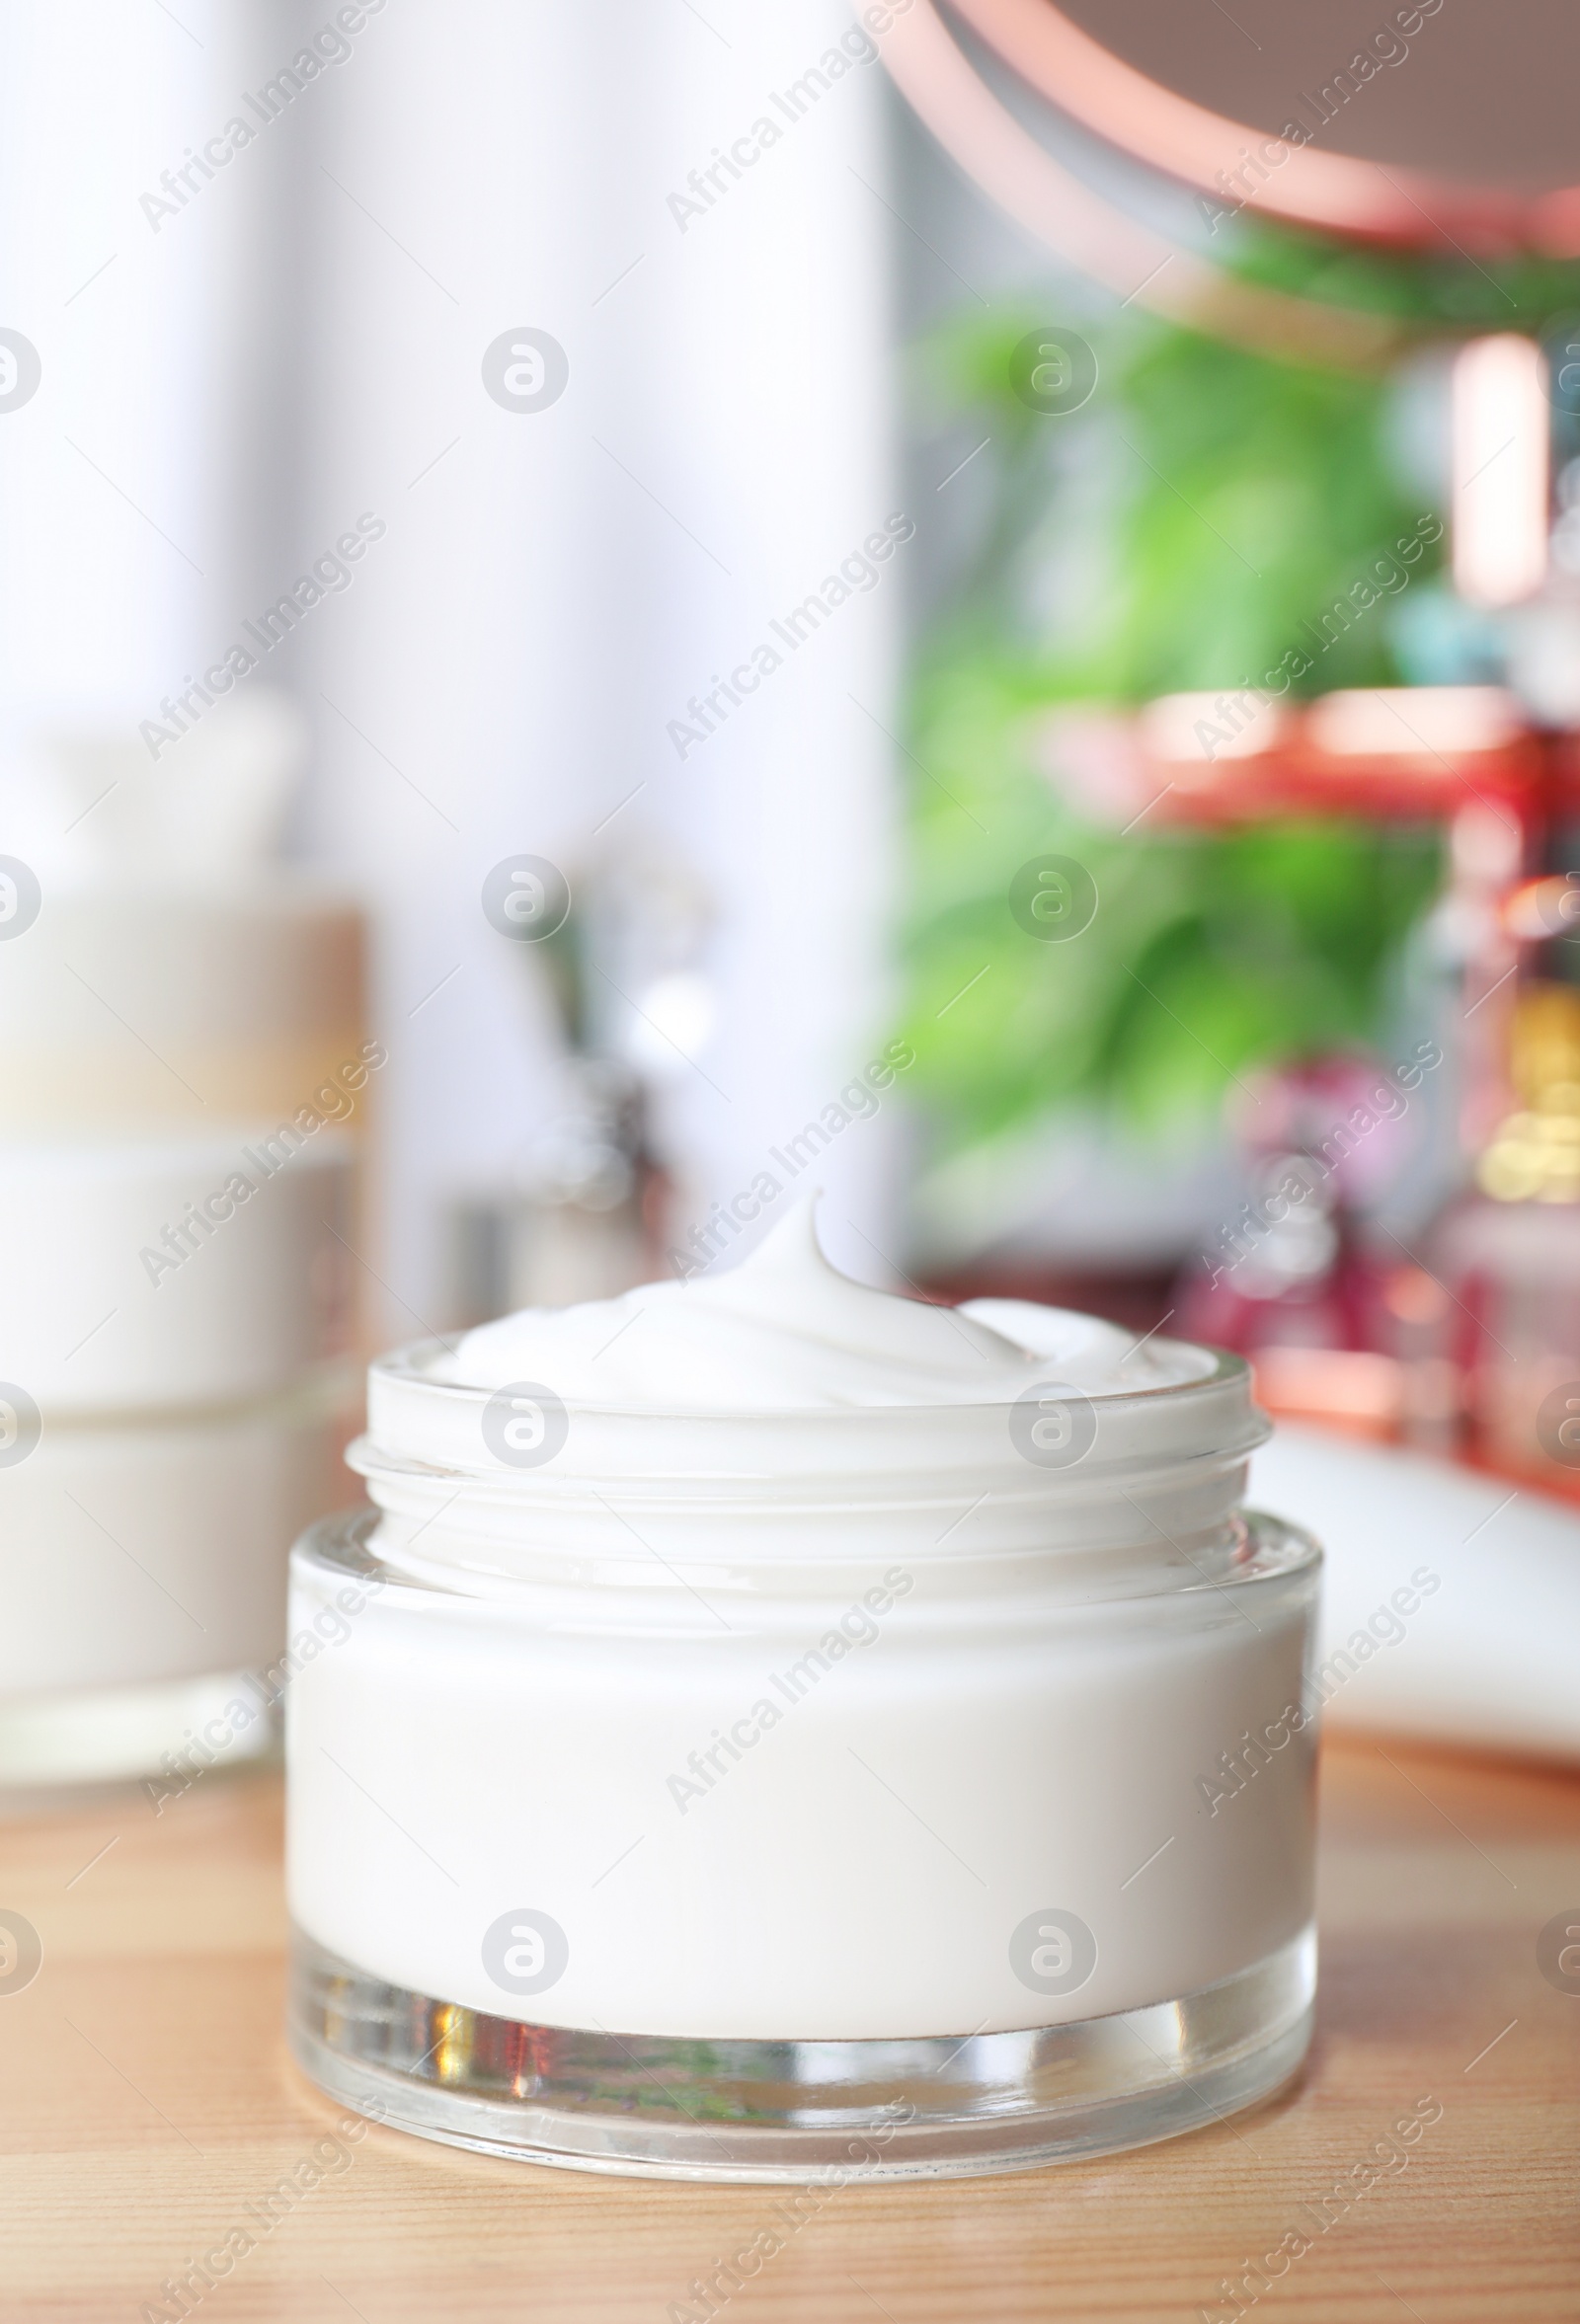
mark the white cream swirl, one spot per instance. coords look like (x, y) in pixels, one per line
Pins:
(784, 1331)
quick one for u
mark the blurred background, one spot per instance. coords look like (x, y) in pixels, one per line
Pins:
(604, 611)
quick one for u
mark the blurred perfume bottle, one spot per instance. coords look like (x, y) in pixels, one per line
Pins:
(1293, 1279)
(586, 1220)
(1509, 1256)
(584, 1214)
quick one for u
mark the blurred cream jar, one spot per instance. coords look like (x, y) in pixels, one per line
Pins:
(767, 1726)
(173, 1404)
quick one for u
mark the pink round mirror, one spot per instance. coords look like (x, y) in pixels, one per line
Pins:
(1421, 123)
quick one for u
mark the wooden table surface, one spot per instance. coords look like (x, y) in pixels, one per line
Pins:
(146, 2101)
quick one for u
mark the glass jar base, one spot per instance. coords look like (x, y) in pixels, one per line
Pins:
(673, 2108)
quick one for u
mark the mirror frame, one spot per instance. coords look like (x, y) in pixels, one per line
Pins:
(1088, 232)
(1331, 193)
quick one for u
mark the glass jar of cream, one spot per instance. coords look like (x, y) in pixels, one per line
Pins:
(765, 1722)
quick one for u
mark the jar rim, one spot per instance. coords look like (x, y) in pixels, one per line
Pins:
(567, 1582)
(1049, 1446)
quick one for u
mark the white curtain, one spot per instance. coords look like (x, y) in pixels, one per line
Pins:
(144, 484)
(557, 584)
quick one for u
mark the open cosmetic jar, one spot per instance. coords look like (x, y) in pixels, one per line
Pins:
(766, 1727)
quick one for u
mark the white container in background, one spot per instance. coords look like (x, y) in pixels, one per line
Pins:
(142, 1581)
(143, 1273)
(142, 1004)
(763, 1709)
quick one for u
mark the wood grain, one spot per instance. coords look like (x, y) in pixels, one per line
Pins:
(146, 2102)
